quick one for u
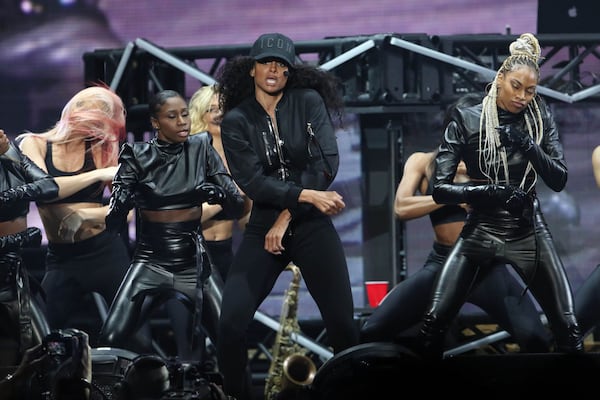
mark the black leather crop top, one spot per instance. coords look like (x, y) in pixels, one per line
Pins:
(90, 194)
(166, 176)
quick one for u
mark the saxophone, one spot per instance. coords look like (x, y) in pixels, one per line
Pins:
(290, 367)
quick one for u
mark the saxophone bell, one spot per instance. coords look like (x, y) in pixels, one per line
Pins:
(290, 368)
(298, 371)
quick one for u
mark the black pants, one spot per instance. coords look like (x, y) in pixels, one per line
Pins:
(166, 263)
(22, 317)
(73, 270)
(499, 294)
(221, 255)
(316, 249)
(530, 249)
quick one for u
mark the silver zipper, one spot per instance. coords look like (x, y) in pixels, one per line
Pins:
(267, 152)
(283, 173)
(311, 136)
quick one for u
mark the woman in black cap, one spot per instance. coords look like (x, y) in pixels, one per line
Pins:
(280, 145)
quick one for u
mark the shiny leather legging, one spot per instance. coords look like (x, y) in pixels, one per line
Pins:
(168, 261)
(500, 295)
(23, 320)
(528, 246)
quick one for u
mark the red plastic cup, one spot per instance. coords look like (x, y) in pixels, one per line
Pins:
(376, 291)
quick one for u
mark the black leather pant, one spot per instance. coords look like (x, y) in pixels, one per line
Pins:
(528, 246)
(22, 317)
(500, 295)
(168, 262)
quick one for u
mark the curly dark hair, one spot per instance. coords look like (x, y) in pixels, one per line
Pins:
(235, 84)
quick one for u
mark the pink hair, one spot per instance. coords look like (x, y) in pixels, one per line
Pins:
(97, 114)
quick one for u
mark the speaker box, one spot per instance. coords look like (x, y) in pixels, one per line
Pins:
(385, 369)
(387, 74)
(523, 375)
(568, 16)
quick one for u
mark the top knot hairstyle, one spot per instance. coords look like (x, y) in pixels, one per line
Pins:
(525, 51)
(526, 45)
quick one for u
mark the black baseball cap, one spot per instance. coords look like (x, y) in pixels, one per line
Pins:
(274, 45)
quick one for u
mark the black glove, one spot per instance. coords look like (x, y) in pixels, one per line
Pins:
(487, 195)
(211, 193)
(30, 237)
(511, 198)
(15, 194)
(118, 207)
(515, 138)
(518, 202)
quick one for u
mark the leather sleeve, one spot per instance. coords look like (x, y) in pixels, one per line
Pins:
(323, 152)
(44, 185)
(40, 186)
(446, 162)
(233, 204)
(547, 158)
(31, 237)
(322, 147)
(123, 189)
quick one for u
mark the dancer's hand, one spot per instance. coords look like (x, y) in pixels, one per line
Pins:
(211, 193)
(515, 138)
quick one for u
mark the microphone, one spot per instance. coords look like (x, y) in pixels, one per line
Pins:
(286, 73)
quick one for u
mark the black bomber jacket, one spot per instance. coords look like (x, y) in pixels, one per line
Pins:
(308, 149)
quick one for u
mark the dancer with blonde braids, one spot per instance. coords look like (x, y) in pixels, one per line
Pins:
(507, 142)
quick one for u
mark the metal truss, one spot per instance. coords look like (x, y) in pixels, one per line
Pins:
(382, 69)
(569, 65)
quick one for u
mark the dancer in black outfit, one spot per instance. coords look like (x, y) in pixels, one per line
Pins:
(499, 294)
(507, 142)
(21, 182)
(80, 151)
(280, 146)
(167, 179)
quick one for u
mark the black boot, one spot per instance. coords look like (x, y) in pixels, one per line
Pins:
(430, 340)
(573, 343)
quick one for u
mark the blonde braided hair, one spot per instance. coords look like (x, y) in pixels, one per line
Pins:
(525, 51)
